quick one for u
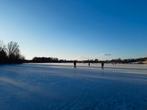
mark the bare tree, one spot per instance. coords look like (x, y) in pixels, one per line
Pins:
(13, 49)
(3, 54)
(13, 53)
(10, 53)
(2, 46)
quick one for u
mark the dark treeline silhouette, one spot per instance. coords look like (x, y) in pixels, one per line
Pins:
(90, 61)
(56, 60)
(10, 53)
(17, 58)
(44, 59)
(49, 60)
(128, 61)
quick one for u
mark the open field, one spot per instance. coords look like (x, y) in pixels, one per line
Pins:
(58, 87)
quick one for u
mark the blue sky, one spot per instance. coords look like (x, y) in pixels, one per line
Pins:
(76, 29)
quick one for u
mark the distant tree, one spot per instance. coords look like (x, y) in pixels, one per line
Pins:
(13, 52)
(13, 49)
(3, 54)
(96, 60)
(44, 59)
(2, 46)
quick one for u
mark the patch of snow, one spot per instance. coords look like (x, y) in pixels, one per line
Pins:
(58, 87)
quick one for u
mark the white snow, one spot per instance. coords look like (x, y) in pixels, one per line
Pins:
(58, 87)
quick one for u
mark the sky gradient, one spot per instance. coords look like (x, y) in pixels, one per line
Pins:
(76, 29)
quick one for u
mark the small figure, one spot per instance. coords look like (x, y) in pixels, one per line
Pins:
(75, 64)
(102, 65)
(89, 63)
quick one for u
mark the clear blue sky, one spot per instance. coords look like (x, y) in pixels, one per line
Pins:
(76, 29)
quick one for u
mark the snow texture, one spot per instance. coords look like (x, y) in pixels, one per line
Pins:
(57, 87)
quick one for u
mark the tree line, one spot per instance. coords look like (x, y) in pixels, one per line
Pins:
(57, 60)
(114, 61)
(128, 61)
(10, 53)
(48, 60)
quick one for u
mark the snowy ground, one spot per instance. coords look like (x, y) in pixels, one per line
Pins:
(52, 87)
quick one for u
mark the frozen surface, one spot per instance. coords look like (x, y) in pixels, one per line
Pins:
(52, 87)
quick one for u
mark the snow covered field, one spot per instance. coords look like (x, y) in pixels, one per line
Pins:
(57, 87)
